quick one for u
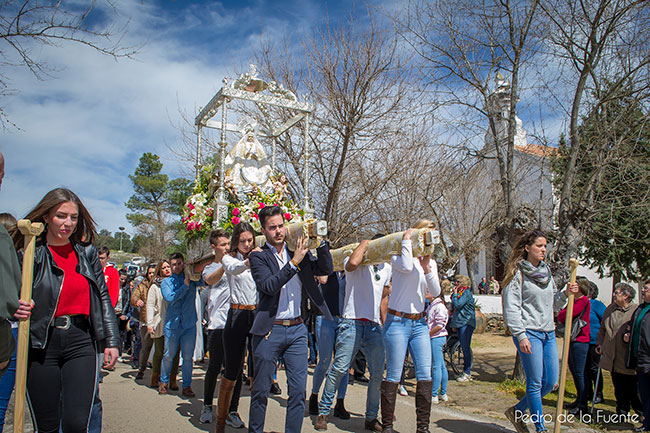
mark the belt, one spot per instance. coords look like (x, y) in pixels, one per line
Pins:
(242, 307)
(289, 322)
(412, 316)
(64, 322)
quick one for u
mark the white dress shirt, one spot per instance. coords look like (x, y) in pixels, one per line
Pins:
(291, 293)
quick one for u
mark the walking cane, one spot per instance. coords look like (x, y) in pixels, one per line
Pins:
(565, 348)
(593, 397)
(30, 231)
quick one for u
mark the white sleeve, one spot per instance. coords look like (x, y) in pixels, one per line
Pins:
(433, 283)
(233, 266)
(404, 262)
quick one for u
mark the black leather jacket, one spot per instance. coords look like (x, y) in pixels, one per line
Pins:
(48, 279)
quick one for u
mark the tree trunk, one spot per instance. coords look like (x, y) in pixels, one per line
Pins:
(469, 261)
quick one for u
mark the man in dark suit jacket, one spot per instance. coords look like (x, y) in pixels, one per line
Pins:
(282, 278)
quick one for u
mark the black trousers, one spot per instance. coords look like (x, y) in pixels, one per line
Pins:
(215, 347)
(626, 393)
(235, 336)
(591, 372)
(61, 378)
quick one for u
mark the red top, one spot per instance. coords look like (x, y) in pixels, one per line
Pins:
(579, 305)
(75, 291)
(112, 278)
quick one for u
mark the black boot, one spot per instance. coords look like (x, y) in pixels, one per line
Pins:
(339, 410)
(313, 404)
(423, 405)
(388, 396)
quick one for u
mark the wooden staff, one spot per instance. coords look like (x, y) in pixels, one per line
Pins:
(30, 231)
(565, 348)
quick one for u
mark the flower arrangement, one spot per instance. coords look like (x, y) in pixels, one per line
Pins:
(248, 212)
(198, 213)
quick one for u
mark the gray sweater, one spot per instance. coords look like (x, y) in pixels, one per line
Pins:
(530, 307)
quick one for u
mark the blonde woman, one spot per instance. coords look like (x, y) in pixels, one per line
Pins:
(406, 327)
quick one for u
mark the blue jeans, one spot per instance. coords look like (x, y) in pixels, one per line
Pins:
(643, 382)
(355, 335)
(541, 368)
(186, 338)
(290, 343)
(439, 373)
(465, 339)
(400, 333)
(7, 382)
(577, 364)
(326, 331)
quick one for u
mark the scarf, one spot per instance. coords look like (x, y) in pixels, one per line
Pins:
(540, 275)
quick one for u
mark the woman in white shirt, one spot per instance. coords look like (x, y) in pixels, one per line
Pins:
(406, 327)
(243, 302)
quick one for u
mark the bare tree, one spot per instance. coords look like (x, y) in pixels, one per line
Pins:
(463, 46)
(355, 72)
(603, 48)
(27, 25)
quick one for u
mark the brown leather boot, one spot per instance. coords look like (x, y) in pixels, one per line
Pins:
(423, 405)
(223, 403)
(388, 396)
(172, 382)
(155, 379)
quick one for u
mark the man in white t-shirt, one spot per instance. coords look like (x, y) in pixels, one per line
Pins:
(360, 329)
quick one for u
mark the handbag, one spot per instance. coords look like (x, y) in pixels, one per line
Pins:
(576, 327)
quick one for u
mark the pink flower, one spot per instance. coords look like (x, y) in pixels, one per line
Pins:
(198, 226)
(235, 212)
(235, 220)
(287, 216)
(255, 216)
(190, 205)
(209, 211)
(261, 205)
(275, 204)
(190, 226)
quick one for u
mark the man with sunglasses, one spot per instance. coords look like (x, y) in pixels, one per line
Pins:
(360, 329)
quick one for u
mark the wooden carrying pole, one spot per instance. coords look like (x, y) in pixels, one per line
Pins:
(565, 348)
(30, 231)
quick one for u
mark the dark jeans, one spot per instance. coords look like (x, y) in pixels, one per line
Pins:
(290, 343)
(236, 333)
(63, 374)
(465, 338)
(147, 344)
(591, 372)
(644, 390)
(215, 347)
(137, 344)
(577, 363)
(626, 393)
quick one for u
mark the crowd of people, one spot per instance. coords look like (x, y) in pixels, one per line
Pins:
(252, 305)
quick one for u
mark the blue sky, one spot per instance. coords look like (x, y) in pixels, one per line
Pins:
(87, 125)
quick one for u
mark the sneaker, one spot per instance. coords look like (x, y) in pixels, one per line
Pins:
(434, 399)
(402, 390)
(321, 423)
(464, 378)
(519, 424)
(234, 420)
(443, 397)
(206, 414)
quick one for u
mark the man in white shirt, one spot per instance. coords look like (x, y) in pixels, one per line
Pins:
(281, 278)
(360, 329)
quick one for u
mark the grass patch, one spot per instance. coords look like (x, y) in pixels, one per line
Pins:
(512, 386)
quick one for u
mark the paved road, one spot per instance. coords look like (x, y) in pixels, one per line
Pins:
(131, 406)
